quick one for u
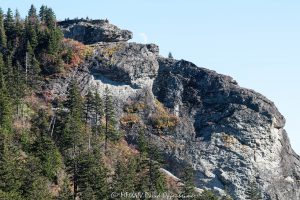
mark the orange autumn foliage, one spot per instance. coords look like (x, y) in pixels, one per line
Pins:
(75, 52)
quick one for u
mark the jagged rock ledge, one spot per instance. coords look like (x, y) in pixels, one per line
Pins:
(93, 31)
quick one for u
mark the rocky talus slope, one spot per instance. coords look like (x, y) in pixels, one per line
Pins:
(228, 134)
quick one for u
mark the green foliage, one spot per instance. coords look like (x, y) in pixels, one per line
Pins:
(10, 195)
(40, 189)
(208, 195)
(111, 131)
(65, 192)
(49, 156)
(3, 40)
(124, 179)
(253, 192)
(188, 189)
(152, 179)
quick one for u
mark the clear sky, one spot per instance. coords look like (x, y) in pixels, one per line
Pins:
(256, 42)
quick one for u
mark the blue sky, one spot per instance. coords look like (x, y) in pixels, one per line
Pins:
(256, 42)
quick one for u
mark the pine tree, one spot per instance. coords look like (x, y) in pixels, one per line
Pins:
(9, 25)
(32, 15)
(152, 179)
(9, 75)
(2, 78)
(5, 103)
(98, 106)
(142, 144)
(92, 173)
(65, 193)
(111, 131)
(188, 188)
(10, 196)
(42, 13)
(9, 175)
(207, 195)
(39, 189)
(253, 192)
(31, 34)
(89, 109)
(3, 40)
(124, 177)
(88, 194)
(32, 67)
(18, 29)
(157, 179)
(50, 18)
(73, 133)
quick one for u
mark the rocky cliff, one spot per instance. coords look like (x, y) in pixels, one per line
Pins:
(229, 135)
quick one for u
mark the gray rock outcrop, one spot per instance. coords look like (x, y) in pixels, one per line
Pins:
(93, 31)
(228, 134)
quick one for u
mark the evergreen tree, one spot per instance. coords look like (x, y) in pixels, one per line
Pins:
(2, 30)
(92, 173)
(18, 29)
(98, 106)
(32, 67)
(50, 18)
(2, 78)
(88, 109)
(9, 173)
(9, 75)
(88, 194)
(253, 192)
(9, 25)
(42, 13)
(65, 193)
(188, 189)
(142, 144)
(152, 179)
(40, 189)
(207, 195)
(124, 177)
(31, 34)
(5, 112)
(157, 179)
(111, 131)
(73, 134)
(32, 15)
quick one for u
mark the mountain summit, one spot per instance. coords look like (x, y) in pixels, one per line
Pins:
(229, 135)
(85, 114)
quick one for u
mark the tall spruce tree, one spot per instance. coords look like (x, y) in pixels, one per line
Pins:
(73, 134)
(89, 111)
(188, 189)
(3, 40)
(124, 177)
(9, 25)
(111, 132)
(98, 106)
(5, 103)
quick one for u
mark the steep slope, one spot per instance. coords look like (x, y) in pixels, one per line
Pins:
(228, 134)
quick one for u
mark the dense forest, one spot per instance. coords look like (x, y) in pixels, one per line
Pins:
(72, 148)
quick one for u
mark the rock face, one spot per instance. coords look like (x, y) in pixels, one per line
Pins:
(93, 31)
(229, 135)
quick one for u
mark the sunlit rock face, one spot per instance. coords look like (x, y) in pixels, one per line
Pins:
(228, 134)
(93, 31)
